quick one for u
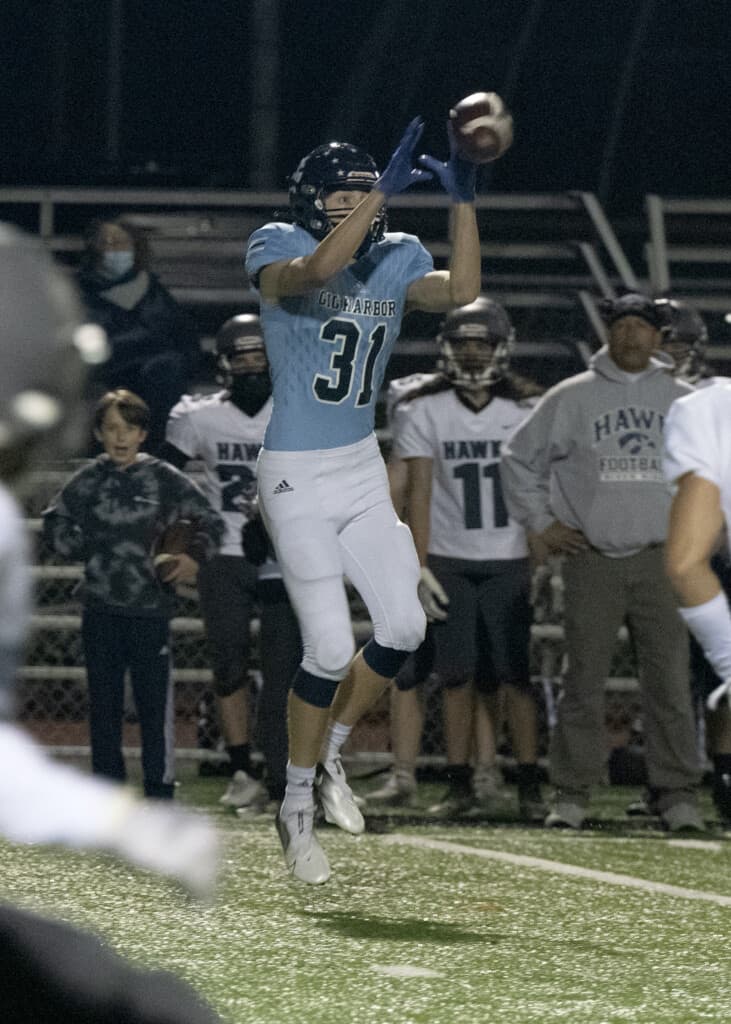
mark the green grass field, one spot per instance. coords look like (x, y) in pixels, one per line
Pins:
(492, 923)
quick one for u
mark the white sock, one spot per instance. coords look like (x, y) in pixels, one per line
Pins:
(710, 624)
(336, 736)
(299, 785)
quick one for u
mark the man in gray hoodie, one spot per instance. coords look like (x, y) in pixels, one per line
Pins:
(583, 475)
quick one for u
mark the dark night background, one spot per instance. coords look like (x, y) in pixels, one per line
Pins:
(621, 97)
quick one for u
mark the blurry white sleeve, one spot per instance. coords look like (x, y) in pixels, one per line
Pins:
(691, 438)
(710, 624)
(14, 596)
(42, 801)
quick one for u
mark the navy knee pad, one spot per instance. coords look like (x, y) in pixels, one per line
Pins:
(418, 667)
(407, 678)
(314, 690)
(384, 661)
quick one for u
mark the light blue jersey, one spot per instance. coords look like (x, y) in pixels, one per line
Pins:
(328, 348)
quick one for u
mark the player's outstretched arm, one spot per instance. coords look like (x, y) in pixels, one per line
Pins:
(433, 598)
(336, 250)
(42, 801)
(461, 284)
(696, 521)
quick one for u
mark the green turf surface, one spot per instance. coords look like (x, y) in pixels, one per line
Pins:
(475, 940)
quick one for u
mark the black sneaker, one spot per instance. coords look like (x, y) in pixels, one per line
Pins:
(531, 805)
(456, 801)
(645, 806)
(721, 796)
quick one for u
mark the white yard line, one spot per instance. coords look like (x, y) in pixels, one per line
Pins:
(558, 868)
(405, 971)
(696, 844)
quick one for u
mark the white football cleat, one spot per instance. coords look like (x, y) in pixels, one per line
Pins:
(303, 855)
(243, 790)
(339, 805)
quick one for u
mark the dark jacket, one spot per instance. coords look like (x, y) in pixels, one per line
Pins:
(109, 518)
(155, 324)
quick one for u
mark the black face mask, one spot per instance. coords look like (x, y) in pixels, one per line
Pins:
(249, 391)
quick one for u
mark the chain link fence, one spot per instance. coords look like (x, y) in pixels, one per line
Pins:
(53, 697)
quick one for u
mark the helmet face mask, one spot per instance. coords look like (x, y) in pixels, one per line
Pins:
(334, 167)
(684, 339)
(246, 356)
(240, 348)
(475, 344)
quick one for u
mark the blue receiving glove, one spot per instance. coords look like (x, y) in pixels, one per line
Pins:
(458, 176)
(400, 172)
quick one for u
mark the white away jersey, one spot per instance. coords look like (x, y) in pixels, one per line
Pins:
(211, 428)
(698, 438)
(400, 386)
(328, 348)
(468, 514)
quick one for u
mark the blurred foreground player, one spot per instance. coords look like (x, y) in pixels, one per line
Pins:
(46, 974)
(334, 287)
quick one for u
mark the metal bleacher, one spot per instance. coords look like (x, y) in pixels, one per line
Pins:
(541, 253)
(545, 257)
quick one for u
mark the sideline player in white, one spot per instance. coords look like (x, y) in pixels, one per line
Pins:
(698, 462)
(334, 287)
(225, 431)
(475, 576)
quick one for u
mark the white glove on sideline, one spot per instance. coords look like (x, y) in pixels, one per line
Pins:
(715, 697)
(433, 598)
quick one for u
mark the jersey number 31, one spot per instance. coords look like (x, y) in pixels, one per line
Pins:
(337, 385)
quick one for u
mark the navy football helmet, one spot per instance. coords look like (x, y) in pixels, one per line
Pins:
(334, 167)
(684, 339)
(484, 321)
(241, 333)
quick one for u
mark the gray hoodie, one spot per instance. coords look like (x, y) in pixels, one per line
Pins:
(590, 455)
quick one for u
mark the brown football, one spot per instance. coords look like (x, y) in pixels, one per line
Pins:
(174, 540)
(483, 127)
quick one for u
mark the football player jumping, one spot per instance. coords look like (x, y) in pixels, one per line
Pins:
(334, 286)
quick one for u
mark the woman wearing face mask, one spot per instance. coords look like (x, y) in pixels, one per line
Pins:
(154, 346)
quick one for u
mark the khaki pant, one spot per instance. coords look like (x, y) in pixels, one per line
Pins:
(600, 594)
